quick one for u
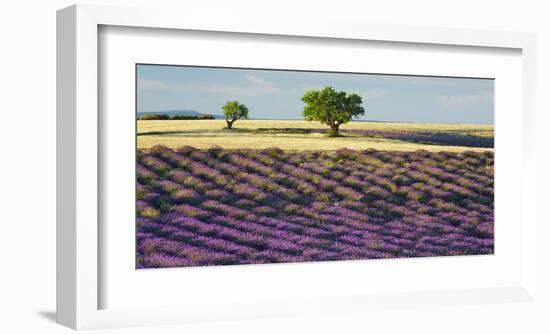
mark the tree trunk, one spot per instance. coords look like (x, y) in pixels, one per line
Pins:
(334, 128)
(230, 123)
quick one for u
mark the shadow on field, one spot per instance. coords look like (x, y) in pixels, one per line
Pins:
(447, 138)
(434, 138)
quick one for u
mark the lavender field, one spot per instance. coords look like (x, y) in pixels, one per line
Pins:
(219, 206)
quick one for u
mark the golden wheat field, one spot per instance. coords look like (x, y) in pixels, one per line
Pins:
(296, 135)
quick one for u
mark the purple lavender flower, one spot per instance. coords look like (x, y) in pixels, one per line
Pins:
(218, 207)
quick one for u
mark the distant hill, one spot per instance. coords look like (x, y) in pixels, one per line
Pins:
(172, 113)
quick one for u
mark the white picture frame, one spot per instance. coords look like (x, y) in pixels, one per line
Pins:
(78, 137)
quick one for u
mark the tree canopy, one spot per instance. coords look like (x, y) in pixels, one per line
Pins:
(331, 107)
(234, 111)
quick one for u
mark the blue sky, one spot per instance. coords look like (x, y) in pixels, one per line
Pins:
(277, 94)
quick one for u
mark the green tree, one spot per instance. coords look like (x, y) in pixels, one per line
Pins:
(331, 107)
(154, 117)
(233, 111)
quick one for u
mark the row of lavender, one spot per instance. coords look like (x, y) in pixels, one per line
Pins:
(209, 207)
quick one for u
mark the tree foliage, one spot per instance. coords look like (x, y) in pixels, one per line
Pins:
(234, 111)
(331, 107)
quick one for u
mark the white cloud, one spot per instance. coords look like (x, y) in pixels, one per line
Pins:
(431, 80)
(253, 86)
(152, 85)
(373, 94)
(465, 101)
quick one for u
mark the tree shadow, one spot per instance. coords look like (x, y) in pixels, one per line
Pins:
(448, 138)
(431, 138)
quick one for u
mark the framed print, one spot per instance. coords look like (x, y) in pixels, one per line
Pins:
(277, 182)
(225, 170)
